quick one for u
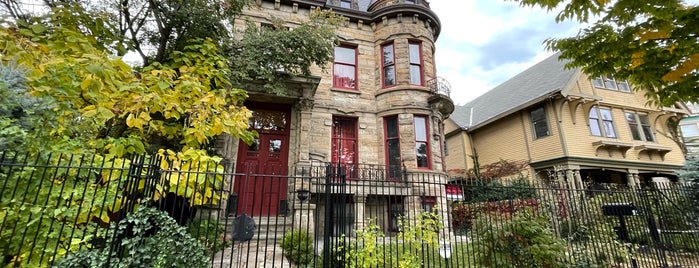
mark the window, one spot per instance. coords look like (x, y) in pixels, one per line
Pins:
(388, 64)
(395, 212)
(608, 82)
(540, 125)
(690, 131)
(640, 126)
(345, 67)
(346, 3)
(415, 50)
(344, 146)
(342, 214)
(422, 144)
(601, 123)
(392, 140)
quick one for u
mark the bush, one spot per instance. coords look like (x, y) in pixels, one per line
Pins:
(525, 240)
(146, 238)
(298, 247)
(209, 233)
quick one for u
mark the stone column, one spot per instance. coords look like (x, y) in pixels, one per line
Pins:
(304, 107)
(359, 215)
(304, 217)
(632, 179)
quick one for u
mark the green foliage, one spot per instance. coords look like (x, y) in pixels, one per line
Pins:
(209, 233)
(268, 55)
(526, 240)
(98, 103)
(413, 236)
(650, 43)
(51, 209)
(149, 238)
(298, 247)
(485, 191)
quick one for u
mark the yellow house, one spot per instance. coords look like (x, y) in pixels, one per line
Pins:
(566, 125)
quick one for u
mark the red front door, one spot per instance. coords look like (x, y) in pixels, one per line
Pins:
(262, 165)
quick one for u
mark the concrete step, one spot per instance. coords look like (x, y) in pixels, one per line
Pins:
(266, 228)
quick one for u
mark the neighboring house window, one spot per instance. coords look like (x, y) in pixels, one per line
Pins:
(540, 125)
(388, 64)
(346, 3)
(608, 82)
(601, 123)
(640, 126)
(392, 143)
(422, 144)
(690, 132)
(345, 67)
(344, 146)
(415, 49)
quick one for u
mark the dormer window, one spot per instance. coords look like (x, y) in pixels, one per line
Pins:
(346, 3)
(608, 82)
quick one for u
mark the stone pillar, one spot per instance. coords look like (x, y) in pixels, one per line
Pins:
(305, 107)
(304, 217)
(632, 180)
(359, 209)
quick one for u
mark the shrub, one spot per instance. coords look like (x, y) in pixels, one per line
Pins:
(146, 238)
(525, 240)
(298, 247)
(209, 233)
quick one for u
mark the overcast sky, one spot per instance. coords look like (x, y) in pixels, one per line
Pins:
(484, 42)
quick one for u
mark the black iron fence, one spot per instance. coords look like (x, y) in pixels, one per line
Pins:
(56, 206)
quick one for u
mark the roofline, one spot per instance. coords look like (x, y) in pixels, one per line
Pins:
(522, 106)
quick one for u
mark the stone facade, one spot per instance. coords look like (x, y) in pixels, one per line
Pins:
(314, 104)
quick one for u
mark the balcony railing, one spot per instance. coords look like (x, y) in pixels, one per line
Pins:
(439, 86)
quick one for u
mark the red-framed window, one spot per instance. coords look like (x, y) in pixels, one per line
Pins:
(422, 141)
(415, 55)
(344, 146)
(345, 67)
(388, 65)
(392, 145)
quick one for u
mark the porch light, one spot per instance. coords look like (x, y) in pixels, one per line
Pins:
(445, 252)
(303, 194)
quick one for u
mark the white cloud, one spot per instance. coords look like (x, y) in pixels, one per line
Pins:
(484, 43)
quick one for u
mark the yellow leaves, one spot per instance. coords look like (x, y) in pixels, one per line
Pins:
(689, 65)
(138, 122)
(637, 59)
(652, 35)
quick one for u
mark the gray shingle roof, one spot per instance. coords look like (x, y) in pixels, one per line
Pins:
(525, 89)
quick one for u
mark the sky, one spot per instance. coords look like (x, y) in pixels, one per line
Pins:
(483, 43)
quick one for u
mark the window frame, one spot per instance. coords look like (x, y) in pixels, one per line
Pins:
(533, 123)
(426, 141)
(384, 66)
(392, 169)
(600, 122)
(345, 2)
(347, 167)
(614, 84)
(355, 66)
(644, 131)
(419, 64)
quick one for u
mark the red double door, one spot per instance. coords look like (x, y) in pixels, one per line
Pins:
(262, 167)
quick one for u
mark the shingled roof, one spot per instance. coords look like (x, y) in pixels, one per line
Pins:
(521, 91)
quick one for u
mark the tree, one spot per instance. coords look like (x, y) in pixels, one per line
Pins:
(654, 44)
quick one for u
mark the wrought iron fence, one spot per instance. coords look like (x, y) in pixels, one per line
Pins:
(323, 216)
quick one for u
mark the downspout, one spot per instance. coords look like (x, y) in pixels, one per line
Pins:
(558, 125)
